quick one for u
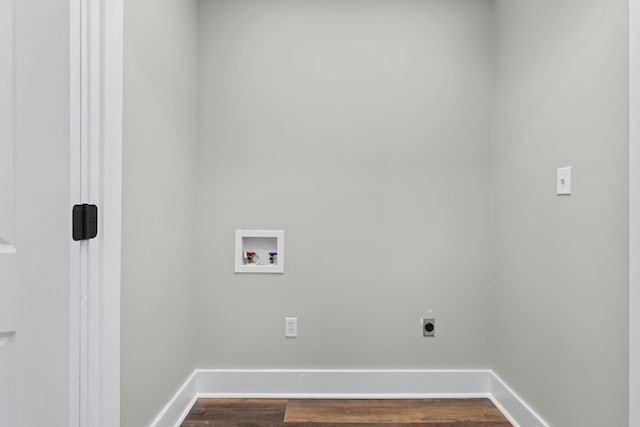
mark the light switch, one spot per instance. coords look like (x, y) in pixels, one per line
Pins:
(564, 181)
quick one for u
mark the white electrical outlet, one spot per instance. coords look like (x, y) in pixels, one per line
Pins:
(291, 327)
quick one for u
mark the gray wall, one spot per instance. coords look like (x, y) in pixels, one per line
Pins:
(160, 140)
(362, 129)
(561, 263)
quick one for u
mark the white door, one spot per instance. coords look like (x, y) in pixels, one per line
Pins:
(38, 356)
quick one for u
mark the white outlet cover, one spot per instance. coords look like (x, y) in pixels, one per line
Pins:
(564, 181)
(291, 327)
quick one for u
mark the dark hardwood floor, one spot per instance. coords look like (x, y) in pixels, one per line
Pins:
(349, 413)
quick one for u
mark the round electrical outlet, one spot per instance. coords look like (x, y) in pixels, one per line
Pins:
(428, 327)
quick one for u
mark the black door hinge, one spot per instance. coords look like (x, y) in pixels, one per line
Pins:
(85, 222)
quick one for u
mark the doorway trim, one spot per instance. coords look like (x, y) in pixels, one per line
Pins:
(634, 212)
(96, 47)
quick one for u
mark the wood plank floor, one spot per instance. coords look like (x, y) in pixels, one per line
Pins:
(350, 413)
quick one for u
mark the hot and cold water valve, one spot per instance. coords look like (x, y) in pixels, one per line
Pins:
(254, 258)
(259, 251)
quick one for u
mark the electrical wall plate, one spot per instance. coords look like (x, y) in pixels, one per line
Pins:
(564, 181)
(428, 327)
(291, 327)
(259, 251)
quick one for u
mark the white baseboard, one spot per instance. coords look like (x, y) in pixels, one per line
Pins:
(512, 406)
(347, 384)
(180, 404)
(343, 383)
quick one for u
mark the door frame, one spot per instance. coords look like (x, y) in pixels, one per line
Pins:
(634, 212)
(96, 80)
(100, 37)
(78, 251)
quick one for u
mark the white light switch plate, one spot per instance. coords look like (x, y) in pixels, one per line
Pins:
(564, 181)
(291, 327)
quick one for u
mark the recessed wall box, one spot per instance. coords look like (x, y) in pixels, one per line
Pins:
(259, 251)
